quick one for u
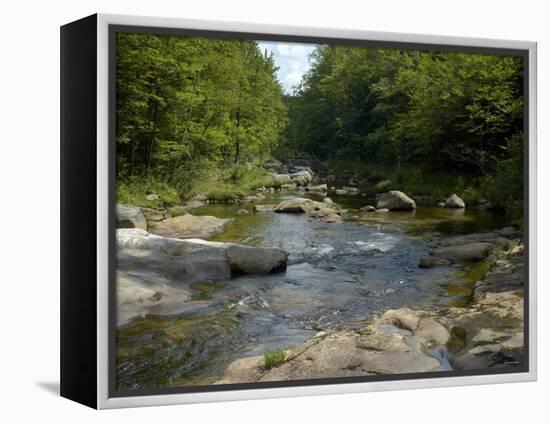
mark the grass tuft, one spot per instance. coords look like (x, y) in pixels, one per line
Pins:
(274, 358)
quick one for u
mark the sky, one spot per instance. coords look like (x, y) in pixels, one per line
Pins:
(291, 59)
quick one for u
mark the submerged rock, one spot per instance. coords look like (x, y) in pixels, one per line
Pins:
(263, 208)
(189, 226)
(431, 261)
(475, 251)
(128, 216)
(395, 200)
(455, 202)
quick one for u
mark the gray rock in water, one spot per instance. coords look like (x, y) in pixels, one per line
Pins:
(455, 202)
(189, 226)
(368, 209)
(327, 200)
(242, 211)
(255, 260)
(317, 188)
(431, 261)
(128, 216)
(340, 192)
(297, 205)
(475, 251)
(395, 200)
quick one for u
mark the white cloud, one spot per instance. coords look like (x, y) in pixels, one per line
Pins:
(292, 59)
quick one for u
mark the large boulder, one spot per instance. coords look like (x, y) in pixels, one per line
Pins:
(302, 175)
(155, 273)
(455, 202)
(189, 226)
(395, 200)
(128, 216)
(254, 260)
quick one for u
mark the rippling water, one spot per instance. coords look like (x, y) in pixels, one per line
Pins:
(338, 276)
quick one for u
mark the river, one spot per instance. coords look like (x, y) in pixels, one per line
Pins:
(338, 276)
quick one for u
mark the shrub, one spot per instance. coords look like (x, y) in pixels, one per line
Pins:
(135, 192)
(274, 358)
(225, 194)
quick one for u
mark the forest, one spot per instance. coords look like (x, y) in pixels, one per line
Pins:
(193, 114)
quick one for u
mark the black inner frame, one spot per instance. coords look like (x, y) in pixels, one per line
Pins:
(114, 29)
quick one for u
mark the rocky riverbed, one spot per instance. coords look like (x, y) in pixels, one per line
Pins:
(345, 285)
(487, 333)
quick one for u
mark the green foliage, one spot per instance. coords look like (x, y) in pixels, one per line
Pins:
(504, 188)
(428, 118)
(225, 193)
(135, 192)
(239, 181)
(186, 105)
(274, 358)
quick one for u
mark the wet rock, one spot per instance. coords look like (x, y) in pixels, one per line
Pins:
(297, 205)
(340, 192)
(242, 211)
(368, 209)
(255, 260)
(395, 200)
(189, 226)
(454, 202)
(327, 200)
(128, 216)
(475, 251)
(431, 261)
(382, 210)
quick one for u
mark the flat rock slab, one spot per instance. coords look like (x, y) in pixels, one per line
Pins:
(189, 226)
(155, 273)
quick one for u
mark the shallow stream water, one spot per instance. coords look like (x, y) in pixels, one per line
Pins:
(339, 276)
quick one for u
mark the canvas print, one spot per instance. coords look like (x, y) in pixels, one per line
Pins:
(294, 212)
